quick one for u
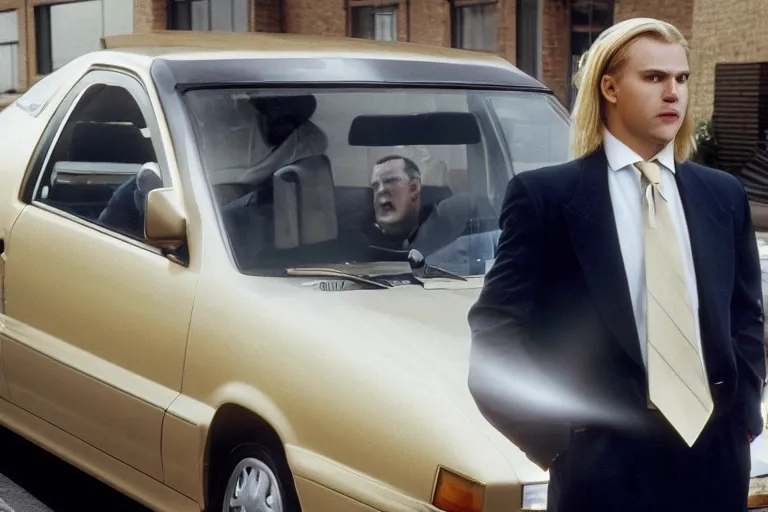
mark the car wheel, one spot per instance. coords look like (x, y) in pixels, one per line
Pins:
(253, 480)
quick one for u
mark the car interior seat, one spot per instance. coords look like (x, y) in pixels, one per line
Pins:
(297, 207)
(280, 132)
(115, 152)
(304, 203)
(110, 142)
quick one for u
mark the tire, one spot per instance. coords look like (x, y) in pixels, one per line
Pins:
(265, 482)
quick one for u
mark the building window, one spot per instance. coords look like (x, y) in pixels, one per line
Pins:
(223, 15)
(9, 51)
(588, 20)
(474, 25)
(374, 22)
(529, 35)
(66, 31)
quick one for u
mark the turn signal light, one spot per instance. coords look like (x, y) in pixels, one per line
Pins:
(454, 493)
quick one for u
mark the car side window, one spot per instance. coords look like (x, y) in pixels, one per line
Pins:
(103, 163)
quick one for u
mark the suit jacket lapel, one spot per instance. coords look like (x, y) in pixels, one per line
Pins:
(595, 240)
(711, 236)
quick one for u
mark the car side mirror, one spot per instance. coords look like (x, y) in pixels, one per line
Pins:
(165, 225)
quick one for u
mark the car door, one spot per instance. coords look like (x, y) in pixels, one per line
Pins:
(97, 318)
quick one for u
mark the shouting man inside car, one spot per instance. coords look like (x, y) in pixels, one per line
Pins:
(396, 184)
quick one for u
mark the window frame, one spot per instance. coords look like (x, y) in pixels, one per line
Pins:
(15, 85)
(38, 169)
(33, 31)
(21, 67)
(393, 5)
(172, 5)
(593, 30)
(456, 7)
(537, 72)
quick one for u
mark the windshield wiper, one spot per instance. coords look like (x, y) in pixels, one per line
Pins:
(420, 270)
(423, 270)
(332, 272)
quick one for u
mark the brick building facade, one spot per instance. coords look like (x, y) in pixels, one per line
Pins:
(738, 33)
(543, 37)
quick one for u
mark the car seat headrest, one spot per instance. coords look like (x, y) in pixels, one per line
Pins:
(110, 142)
(304, 203)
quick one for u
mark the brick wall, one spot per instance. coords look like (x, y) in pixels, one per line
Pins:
(430, 22)
(402, 21)
(316, 17)
(506, 31)
(677, 12)
(738, 33)
(556, 47)
(149, 15)
(267, 16)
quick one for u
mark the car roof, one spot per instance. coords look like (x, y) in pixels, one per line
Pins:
(187, 52)
(194, 45)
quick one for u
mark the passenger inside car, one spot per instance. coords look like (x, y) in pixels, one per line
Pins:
(247, 139)
(396, 184)
(404, 219)
(285, 136)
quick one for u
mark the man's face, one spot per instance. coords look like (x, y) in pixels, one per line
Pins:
(395, 197)
(650, 93)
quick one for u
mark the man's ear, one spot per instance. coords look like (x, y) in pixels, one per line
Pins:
(609, 88)
(415, 188)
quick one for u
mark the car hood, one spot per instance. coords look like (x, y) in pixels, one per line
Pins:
(428, 328)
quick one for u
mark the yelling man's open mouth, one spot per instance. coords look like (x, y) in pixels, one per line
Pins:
(385, 206)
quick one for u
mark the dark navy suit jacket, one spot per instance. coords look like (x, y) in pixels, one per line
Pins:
(554, 343)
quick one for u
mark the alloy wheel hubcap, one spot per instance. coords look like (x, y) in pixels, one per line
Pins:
(252, 487)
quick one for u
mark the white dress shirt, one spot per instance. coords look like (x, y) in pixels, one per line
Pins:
(626, 197)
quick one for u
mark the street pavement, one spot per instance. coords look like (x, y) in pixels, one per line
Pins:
(32, 480)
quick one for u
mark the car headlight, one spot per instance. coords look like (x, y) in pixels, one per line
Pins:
(455, 493)
(535, 497)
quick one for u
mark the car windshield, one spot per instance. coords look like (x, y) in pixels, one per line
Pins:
(327, 177)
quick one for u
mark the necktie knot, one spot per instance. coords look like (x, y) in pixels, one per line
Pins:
(651, 170)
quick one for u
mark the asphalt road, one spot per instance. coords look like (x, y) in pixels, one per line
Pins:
(31, 480)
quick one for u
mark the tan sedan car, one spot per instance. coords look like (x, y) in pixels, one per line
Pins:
(201, 306)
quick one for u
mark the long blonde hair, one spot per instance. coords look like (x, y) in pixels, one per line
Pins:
(607, 55)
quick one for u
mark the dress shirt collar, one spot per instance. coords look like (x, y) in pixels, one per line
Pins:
(620, 156)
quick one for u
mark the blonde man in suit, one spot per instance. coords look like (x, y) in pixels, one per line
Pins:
(627, 289)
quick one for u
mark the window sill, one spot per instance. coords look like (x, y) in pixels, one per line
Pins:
(490, 52)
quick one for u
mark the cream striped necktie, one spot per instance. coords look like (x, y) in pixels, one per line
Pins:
(677, 381)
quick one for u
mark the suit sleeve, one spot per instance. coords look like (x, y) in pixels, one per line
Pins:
(747, 320)
(503, 358)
